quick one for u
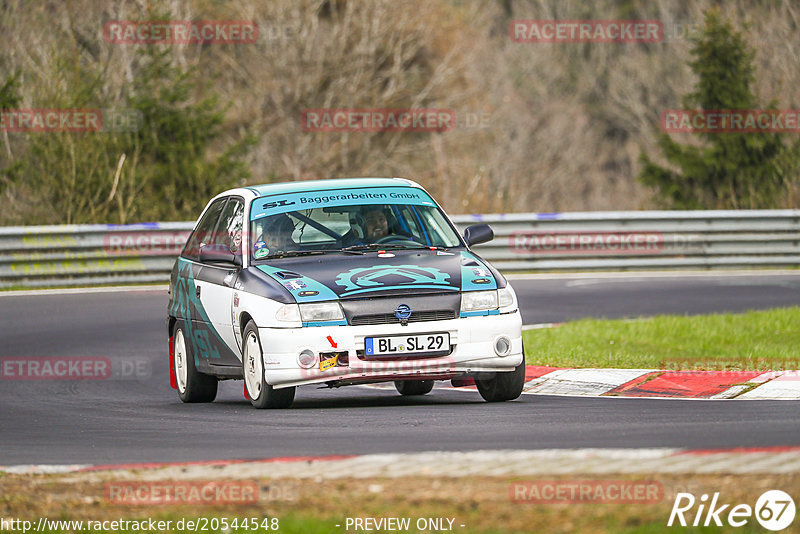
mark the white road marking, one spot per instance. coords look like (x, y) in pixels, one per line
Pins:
(652, 274)
(539, 326)
(83, 290)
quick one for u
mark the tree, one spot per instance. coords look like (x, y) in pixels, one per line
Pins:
(9, 99)
(725, 170)
(184, 160)
(165, 166)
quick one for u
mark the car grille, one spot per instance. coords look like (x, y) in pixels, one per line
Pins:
(416, 317)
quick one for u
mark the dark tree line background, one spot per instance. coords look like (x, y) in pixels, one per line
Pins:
(540, 127)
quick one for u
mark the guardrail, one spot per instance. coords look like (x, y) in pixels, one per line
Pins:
(580, 241)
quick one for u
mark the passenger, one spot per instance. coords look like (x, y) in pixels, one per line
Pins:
(276, 237)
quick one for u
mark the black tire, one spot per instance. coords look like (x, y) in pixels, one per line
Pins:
(413, 387)
(502, 386)
(193, 386)
(261, 394)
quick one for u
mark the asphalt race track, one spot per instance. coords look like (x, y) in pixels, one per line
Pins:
(142, 420)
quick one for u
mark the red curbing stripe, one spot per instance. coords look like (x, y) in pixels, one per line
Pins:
(738, 450)
(158, 465)
(538, 371)
(622, 389)
(685, 384)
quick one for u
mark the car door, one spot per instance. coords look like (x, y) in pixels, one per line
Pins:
(185, 302)
(215, 284)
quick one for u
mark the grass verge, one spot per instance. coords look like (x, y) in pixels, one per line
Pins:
(756, 340)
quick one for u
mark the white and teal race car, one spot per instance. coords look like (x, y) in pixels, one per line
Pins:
(338, 282)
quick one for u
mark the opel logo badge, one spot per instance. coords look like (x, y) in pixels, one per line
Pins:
(403, 312)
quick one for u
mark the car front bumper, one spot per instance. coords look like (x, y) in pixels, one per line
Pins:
(472, 340)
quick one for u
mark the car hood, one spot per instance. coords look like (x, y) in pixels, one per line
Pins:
(342, 276)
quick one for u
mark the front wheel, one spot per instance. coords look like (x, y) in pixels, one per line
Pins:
(413, 387)
(261, 394)
(503, 386)
(193, 386)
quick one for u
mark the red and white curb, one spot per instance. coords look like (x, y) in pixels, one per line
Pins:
(773, 385)
(747, 385)
(668, 461)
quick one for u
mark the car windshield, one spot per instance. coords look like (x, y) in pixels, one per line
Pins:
(351, 220)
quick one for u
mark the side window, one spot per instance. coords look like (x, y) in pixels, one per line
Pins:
(229, 229)
(203, 231)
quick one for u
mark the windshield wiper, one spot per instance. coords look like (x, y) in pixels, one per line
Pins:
(385, 246)
(373, 246)
(293, 253)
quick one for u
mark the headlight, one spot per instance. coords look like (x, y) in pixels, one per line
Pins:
(508, 300)
(288, 313)
(314, 312)
(478, 301)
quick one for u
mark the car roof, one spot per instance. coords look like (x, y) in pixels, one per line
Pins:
(324, 185)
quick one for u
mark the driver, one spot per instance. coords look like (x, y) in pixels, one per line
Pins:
(376, 225)
(277, 236)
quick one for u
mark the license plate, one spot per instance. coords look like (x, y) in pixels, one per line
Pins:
(419, 343)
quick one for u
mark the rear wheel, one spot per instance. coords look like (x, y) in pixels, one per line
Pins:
(413, 387)
(261, 394)
(502, 386)
(193, 386)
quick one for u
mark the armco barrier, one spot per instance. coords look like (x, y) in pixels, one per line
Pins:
(624, 240)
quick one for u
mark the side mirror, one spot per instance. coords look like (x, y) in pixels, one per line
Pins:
(478, 233)
(219, 254)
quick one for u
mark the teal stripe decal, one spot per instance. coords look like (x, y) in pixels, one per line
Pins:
(340, 322)
(479, 313)
(475, 277)
(303, 289)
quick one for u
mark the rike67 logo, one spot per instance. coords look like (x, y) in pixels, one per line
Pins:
(774, 510)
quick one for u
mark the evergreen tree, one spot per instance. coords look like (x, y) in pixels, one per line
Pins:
(9, 99)
(165, 166)
(726, 170)
(184, 159)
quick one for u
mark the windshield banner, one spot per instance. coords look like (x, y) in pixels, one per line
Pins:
(285, 202)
